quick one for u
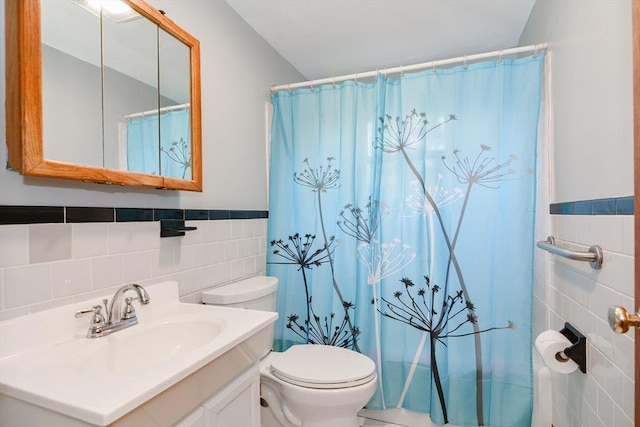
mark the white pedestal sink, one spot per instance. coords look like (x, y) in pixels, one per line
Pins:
(47, 363)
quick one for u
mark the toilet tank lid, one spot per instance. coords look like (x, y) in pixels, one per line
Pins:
(241, 291)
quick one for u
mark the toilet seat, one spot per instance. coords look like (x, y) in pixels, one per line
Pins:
(323, 366)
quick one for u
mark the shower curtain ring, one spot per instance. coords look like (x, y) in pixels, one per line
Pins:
(401, 71)
(289, 88)
(535, 52)
(464, 62)
(333, 81)
(355, 79)
(500, 57)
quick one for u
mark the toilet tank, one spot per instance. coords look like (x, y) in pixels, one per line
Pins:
(256, 293)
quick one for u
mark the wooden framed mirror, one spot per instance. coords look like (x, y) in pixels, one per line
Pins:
(100, 97)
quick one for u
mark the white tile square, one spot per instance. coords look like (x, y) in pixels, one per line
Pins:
(137, 266)
(618, 272)
(183, 258)
(221, 273)
(261, 262)
(200, 255)
(216, 252)
(2, 306)
(260, 227)
(249, 266)
(628, 234)
(628, 401)
(620, 419)
(49, 242)
(237, 229)
(243, 248)
(194, 237)
(107, 271)
(48, 305)
(27, 285)
(607, 232)
(148, 235)
(193, 282)
(71, 277)
(231, 251)
(89, 240)
(237, 269)
(123, 237)
(624, 353)
(162, 262)
(605, 407)
(14, 245)
(222, 230)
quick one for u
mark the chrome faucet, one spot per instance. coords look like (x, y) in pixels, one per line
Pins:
(115, 308)
(117, 317)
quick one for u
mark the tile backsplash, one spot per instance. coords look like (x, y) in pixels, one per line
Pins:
(43, 265)
(577, 294)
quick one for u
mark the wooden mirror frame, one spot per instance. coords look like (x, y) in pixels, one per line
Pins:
(24, 103)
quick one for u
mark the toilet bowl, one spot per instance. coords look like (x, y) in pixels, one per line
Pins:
(316, 385)
(307, 385)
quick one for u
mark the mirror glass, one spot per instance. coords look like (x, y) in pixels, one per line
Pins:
(71, 83)
(116, 89)
(130, 88)
(175, 111)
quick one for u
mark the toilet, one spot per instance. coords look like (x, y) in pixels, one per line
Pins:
(307, 385)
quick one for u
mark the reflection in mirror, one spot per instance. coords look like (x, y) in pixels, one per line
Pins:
(130, 85)
(71, 83)
(74, 86)
(175, 111)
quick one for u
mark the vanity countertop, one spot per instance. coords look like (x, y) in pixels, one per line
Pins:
(46, 360)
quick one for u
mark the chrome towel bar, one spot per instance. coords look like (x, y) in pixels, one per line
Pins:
(593, 257)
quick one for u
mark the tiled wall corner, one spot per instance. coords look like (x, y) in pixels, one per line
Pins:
(46, 265)
(580, 295)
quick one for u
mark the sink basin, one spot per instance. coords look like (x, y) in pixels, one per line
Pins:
(145, 346)
(47, 362)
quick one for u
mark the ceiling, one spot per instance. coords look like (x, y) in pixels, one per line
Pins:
(325, 38)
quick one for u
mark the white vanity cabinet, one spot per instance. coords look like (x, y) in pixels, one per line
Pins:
(236, 405)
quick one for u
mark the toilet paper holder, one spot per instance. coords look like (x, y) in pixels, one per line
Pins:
(577, 351)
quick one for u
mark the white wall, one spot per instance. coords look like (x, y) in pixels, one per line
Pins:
(45, 265)
(237, 68)
(590, 158)
(48, 265)
(590, 48)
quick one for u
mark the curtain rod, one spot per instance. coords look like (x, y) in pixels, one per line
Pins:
(404, 68)
(156, 111)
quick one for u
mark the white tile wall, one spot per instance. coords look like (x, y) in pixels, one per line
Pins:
(46, 265)
(578, 294)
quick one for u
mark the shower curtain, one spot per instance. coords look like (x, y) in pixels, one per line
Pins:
(172, 156)
(401, 224)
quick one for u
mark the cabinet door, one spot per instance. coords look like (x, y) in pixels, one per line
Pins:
(195, 419)
(238, 404)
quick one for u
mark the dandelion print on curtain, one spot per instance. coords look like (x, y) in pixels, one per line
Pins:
(172, 155)
(401, 225)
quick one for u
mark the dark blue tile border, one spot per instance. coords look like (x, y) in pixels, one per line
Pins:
(219, 214)
(611, 206)
(159, 214)
(196, 214)
(75, 214)
(60, 214)
(132, 214)
(31, 214)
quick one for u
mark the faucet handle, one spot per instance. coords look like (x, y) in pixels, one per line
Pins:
(97, 321)
(129, 309)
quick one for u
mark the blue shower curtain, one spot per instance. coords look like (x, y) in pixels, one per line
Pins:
(401, 221)
(172, 156)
